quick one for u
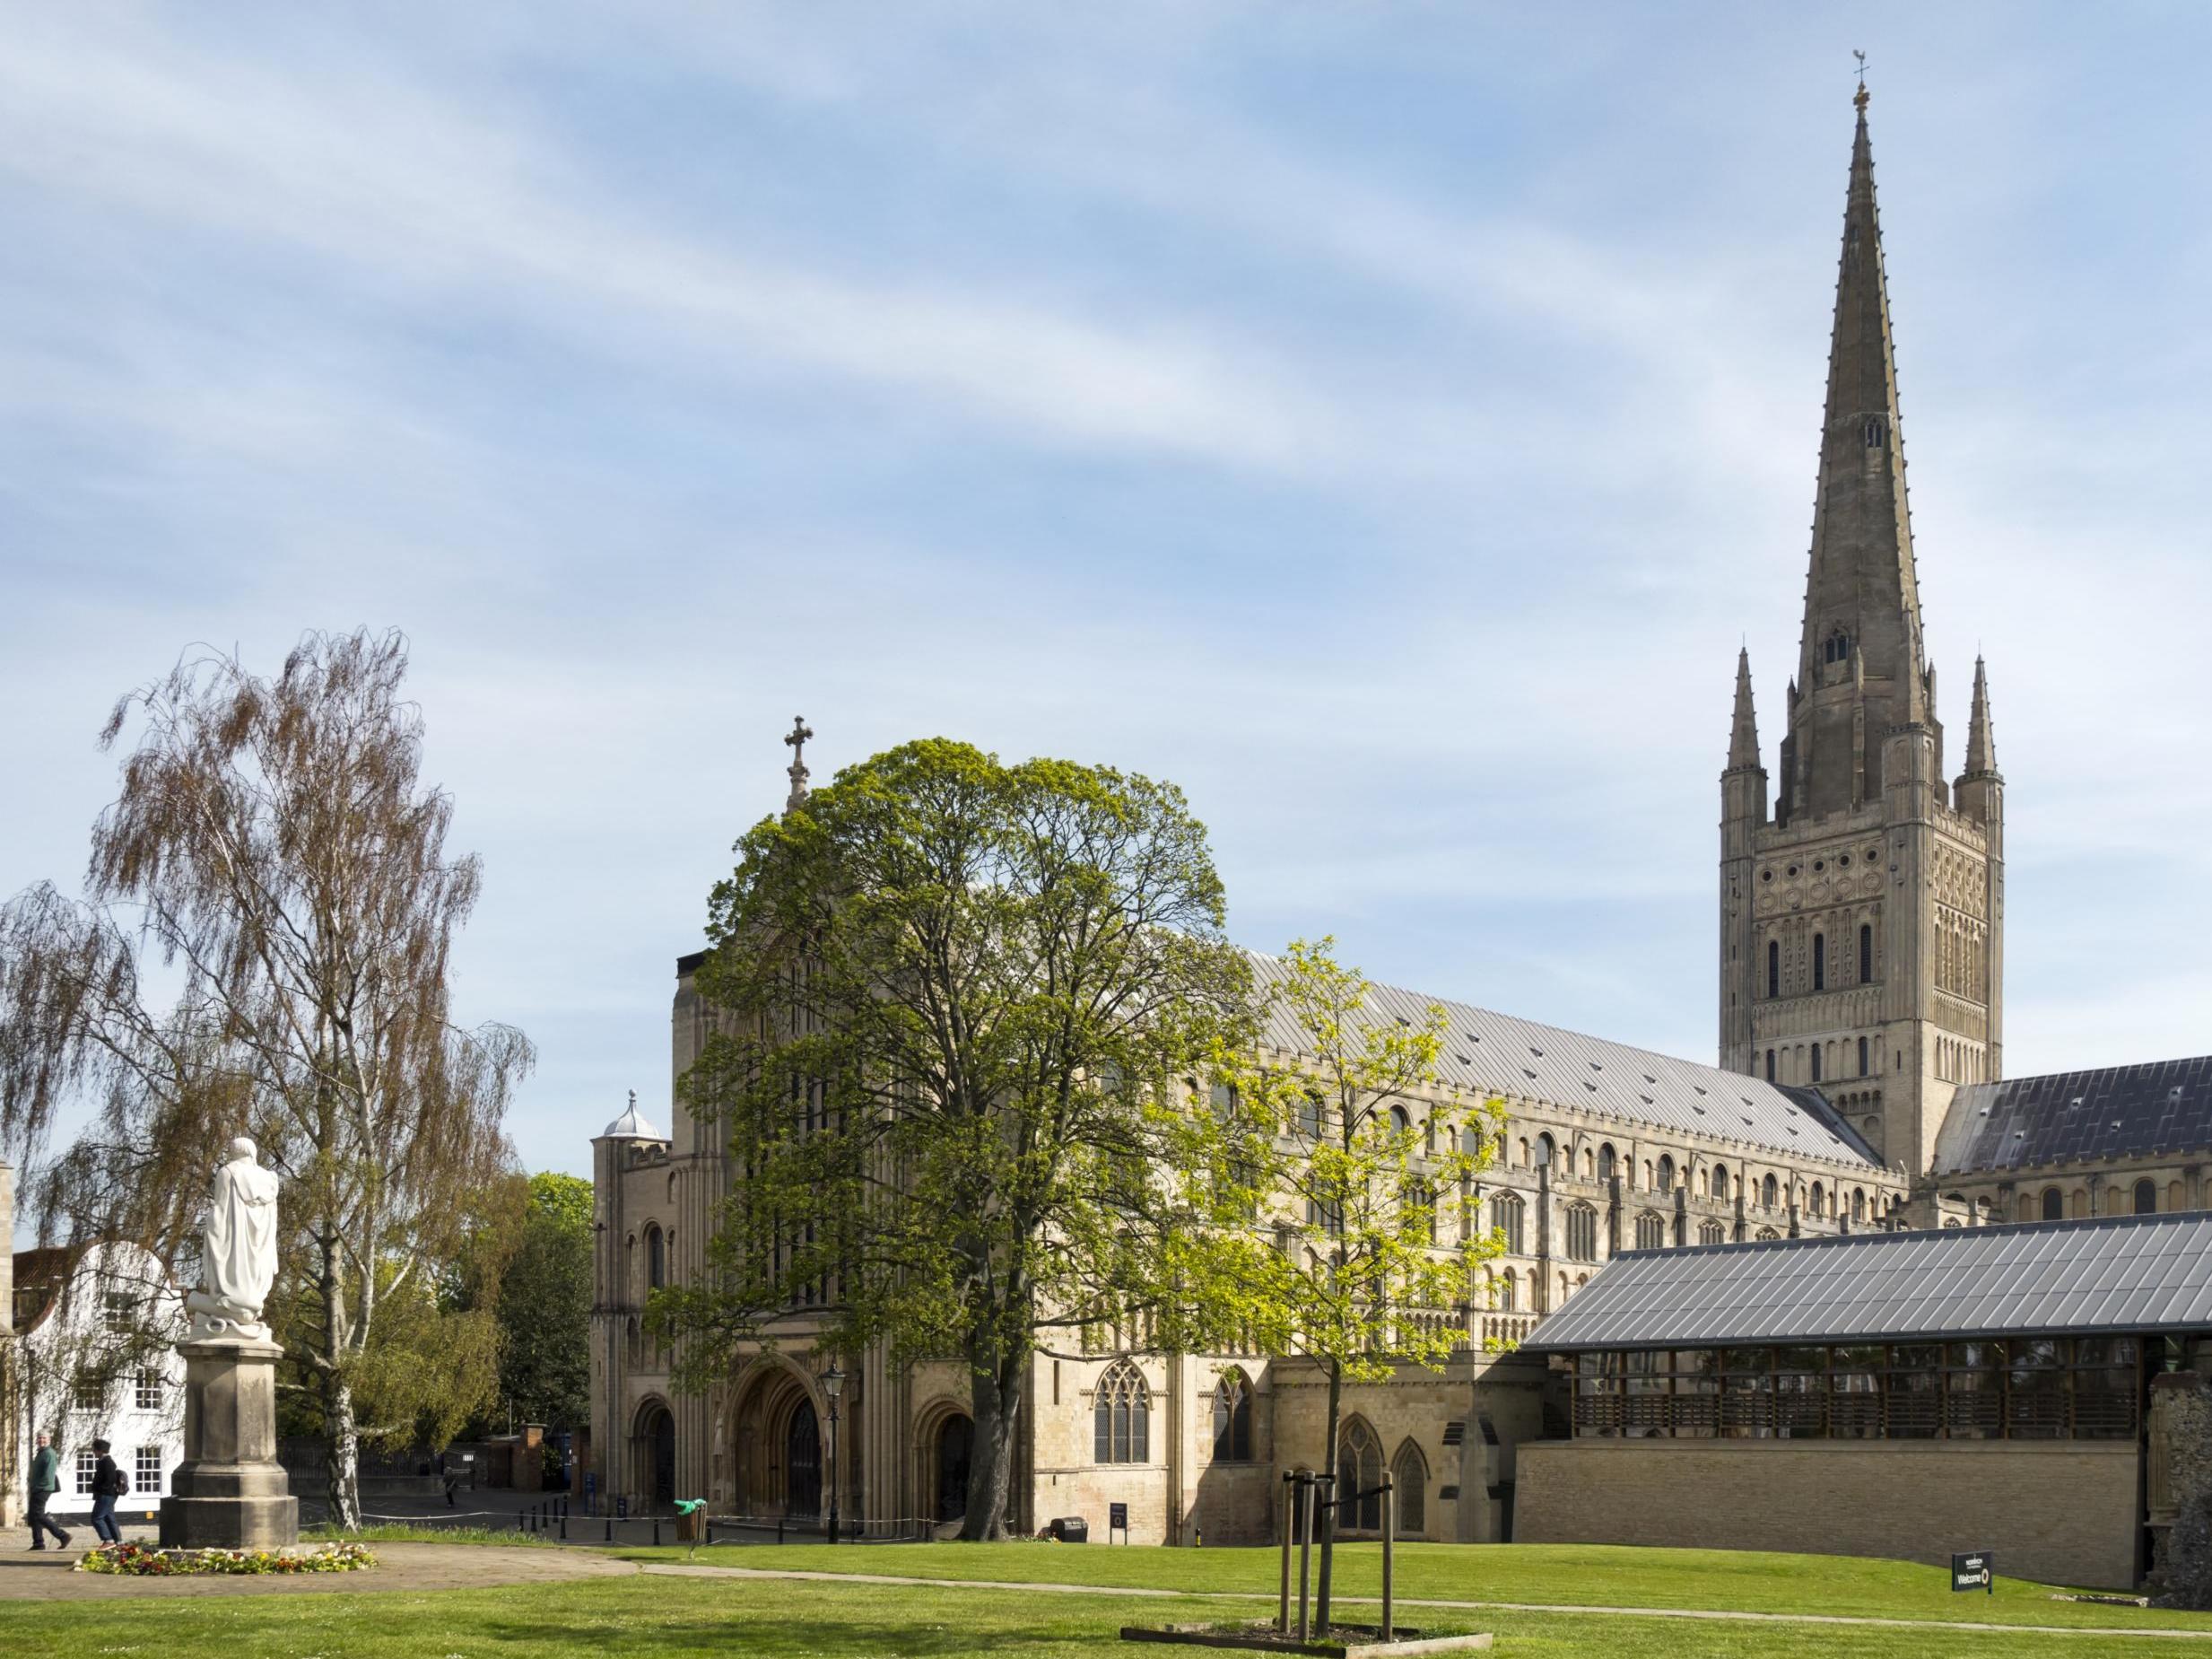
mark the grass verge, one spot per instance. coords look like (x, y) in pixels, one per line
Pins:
(635, 1617)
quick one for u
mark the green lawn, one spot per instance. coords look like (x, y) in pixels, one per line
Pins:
(1581, 1575)
(645, 1618)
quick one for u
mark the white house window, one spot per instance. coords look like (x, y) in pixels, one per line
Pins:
(147, 1394)
(89, 1393)
(86, 1465)
(147, 1475)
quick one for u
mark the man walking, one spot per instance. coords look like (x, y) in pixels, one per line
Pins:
(107, 1485)
(45, 1481)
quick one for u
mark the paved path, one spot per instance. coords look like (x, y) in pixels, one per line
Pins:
(47, 1578)
(692, 1570)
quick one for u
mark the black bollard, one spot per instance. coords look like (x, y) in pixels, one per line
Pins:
(655, 1531)
(610, 1528)
(564, 1526)
(519, 1526)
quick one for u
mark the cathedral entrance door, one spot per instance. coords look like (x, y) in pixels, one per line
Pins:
(661, 1434)
(955, 1446)
(801, 1463)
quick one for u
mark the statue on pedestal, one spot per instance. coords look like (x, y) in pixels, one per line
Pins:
(229, 1492)
(238, 1263)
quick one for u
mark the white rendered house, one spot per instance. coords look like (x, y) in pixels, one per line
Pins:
(96, 1331)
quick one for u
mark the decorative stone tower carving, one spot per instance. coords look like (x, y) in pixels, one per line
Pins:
(1862, 921)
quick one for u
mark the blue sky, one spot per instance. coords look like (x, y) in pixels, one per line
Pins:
(1386, 420)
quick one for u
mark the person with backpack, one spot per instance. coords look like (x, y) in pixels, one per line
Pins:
(45, 1481)
(108, 1483)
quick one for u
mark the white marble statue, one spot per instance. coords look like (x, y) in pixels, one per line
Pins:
(239, 1263)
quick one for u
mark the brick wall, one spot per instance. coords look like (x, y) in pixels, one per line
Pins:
(2061, 1511)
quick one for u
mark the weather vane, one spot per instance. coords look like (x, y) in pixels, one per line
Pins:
(1861, 99)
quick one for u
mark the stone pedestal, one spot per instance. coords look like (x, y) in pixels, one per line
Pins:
(229, 1492)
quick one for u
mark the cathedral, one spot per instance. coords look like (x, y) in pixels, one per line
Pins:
(1859, 1088)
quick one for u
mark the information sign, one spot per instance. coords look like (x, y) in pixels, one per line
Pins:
(1976, 1571)
(1117, 1517)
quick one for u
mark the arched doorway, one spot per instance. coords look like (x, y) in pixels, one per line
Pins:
(801, 1463)
(955, 1450)
(656, 1447)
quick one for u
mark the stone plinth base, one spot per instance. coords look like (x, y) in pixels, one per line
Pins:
(229, 1492)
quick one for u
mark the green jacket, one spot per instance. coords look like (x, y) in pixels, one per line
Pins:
(45, 1470)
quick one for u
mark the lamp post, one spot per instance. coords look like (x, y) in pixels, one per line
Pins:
(832, 1384)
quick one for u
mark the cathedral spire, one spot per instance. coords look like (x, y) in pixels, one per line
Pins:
(1744, 735)
(1860, 656)
(1980, 741)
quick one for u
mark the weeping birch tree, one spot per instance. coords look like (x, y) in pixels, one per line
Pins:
(263, 946)
(959, 1005)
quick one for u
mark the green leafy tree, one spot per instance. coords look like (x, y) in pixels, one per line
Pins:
(958, 1003)
(544, 1306)
(1341, 1223)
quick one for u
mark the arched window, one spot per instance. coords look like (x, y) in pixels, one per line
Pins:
(1504, 1292)
(1359, 1478)
(1770, 1065)
(1815, 1062)
(1400, 1124)
(2146, 1198)
(1232, 1420)
(655, 1258)
(1605, 1162)
(1121, 1417)
(1712, 1233)
(1589, 1164)
(1667, 1175)
(1766, 1192)
(1720, 1182)
(1866, 952)
(1471, 1143)
(1859, 1203)
(1766, 1232)
(1505, 1215)
(1409, 1475)
(1773, 968)
(1820, 962)
(1581, 1233)
(1862, 1057)
(1651, 1230)
(1309, 1116)
(1544, 1149)
(1818, 1201)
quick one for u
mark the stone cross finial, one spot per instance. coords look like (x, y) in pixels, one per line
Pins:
(796, 738)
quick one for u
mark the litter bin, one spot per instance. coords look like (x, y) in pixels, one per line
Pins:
(1072, 1529)
(690, 1520)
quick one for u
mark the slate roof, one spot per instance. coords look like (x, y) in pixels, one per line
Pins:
(2070, 1117)
(2123, 1273)
(1494, 1053)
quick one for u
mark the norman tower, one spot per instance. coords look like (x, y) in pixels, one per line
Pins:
(1862, 916)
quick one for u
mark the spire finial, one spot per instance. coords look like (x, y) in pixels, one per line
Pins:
(796, 738)
(1859, 101)
(634, 1100)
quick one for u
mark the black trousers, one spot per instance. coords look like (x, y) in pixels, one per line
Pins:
(39, 1518)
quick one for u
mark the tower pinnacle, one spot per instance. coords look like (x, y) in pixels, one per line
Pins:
(1981, 740)
(1744, 734)
(797, 738)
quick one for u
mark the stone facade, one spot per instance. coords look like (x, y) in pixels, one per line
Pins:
(2060, 1511)
(1572, 1183)
(1862, 917)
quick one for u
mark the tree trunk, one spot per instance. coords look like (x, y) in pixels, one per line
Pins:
(342, 1454)
(997, 1398)
(1327, 1517)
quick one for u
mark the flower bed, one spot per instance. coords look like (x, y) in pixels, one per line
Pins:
(146, 1561)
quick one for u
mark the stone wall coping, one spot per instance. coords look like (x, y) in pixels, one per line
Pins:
(1944, 1448)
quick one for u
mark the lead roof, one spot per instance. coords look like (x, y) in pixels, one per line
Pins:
(2072, 1117)
(2123, 1273)
(1491, 1053)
